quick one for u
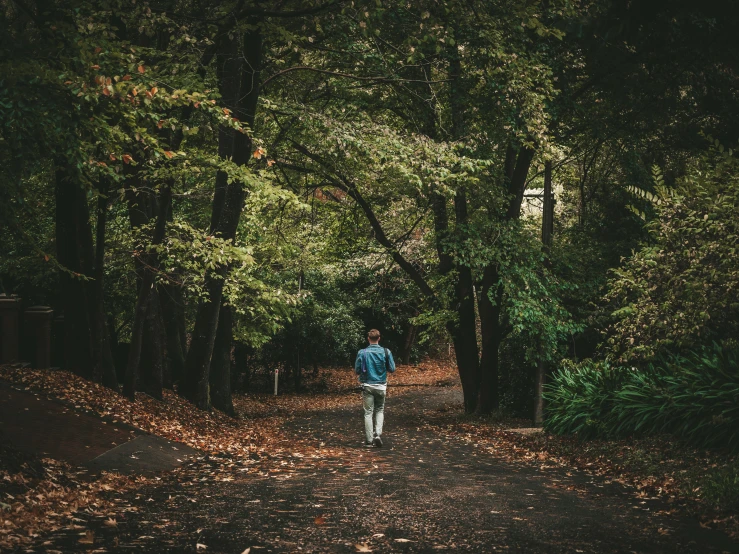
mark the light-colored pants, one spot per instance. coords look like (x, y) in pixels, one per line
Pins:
(374, 405)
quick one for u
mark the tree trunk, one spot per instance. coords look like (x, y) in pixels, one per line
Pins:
(547, 219)
(547, 224)
(153, 349)
(466, 343)
(298, 375)
(410, 338)
(539, 380)
(147, 284)
(152, 368)
(493, 326)
(228, 70)
(173, 315)
(104, 371)
(220, 365)
(491, 296)
(197, 364)
(581, 210)
(74, 253)
(241, 366)
(463, 331)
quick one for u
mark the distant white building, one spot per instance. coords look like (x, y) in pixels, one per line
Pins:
(533, 203)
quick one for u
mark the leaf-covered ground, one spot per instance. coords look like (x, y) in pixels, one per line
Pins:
(214, 432)
(702, 482)
(311, 487)
(40, 495)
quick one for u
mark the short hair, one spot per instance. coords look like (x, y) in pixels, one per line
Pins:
(373, 334)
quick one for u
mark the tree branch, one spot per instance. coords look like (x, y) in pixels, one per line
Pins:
(347, 186)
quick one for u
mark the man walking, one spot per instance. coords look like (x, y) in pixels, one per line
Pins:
(372, 365)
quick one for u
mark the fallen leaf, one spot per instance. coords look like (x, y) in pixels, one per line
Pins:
(89, 538)
(364, 547)
(200, 546)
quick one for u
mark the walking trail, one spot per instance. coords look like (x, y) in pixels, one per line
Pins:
(422, 492)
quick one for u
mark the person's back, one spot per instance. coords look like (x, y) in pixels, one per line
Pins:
(376, 360)
(372, 366)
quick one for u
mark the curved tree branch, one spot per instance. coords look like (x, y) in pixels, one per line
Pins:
(351, 189)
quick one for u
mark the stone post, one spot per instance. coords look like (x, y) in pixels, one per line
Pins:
(10, 307)
(38, 332)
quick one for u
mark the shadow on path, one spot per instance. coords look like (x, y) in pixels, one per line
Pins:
(35, 424)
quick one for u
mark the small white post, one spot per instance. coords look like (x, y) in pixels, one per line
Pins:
(277, 374)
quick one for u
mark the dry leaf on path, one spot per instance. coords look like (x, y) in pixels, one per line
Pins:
(89, 538)
(364, 547)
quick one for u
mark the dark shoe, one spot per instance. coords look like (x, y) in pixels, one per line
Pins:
(377, 442)
(368, 444)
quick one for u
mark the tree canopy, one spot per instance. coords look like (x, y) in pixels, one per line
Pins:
(207, 188)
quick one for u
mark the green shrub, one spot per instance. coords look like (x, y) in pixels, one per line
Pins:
(678, 292)
(695, 397)
(580, 397)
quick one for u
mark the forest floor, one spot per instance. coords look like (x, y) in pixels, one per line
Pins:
(292, 476)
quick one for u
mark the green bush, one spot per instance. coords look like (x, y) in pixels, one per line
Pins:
(695, 397)
(678, 292)
(579, 400)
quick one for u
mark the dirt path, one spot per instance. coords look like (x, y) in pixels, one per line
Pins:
(421, 493)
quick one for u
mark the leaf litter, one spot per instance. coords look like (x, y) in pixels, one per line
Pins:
(653, 466)
(47, 495)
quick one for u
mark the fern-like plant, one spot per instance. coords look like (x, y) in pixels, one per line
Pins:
(694, 397)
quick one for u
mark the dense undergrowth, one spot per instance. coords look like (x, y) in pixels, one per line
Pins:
(669, 362)
(686, 400)
(695, 397)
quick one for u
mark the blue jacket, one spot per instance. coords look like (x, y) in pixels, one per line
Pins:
(376, 373)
